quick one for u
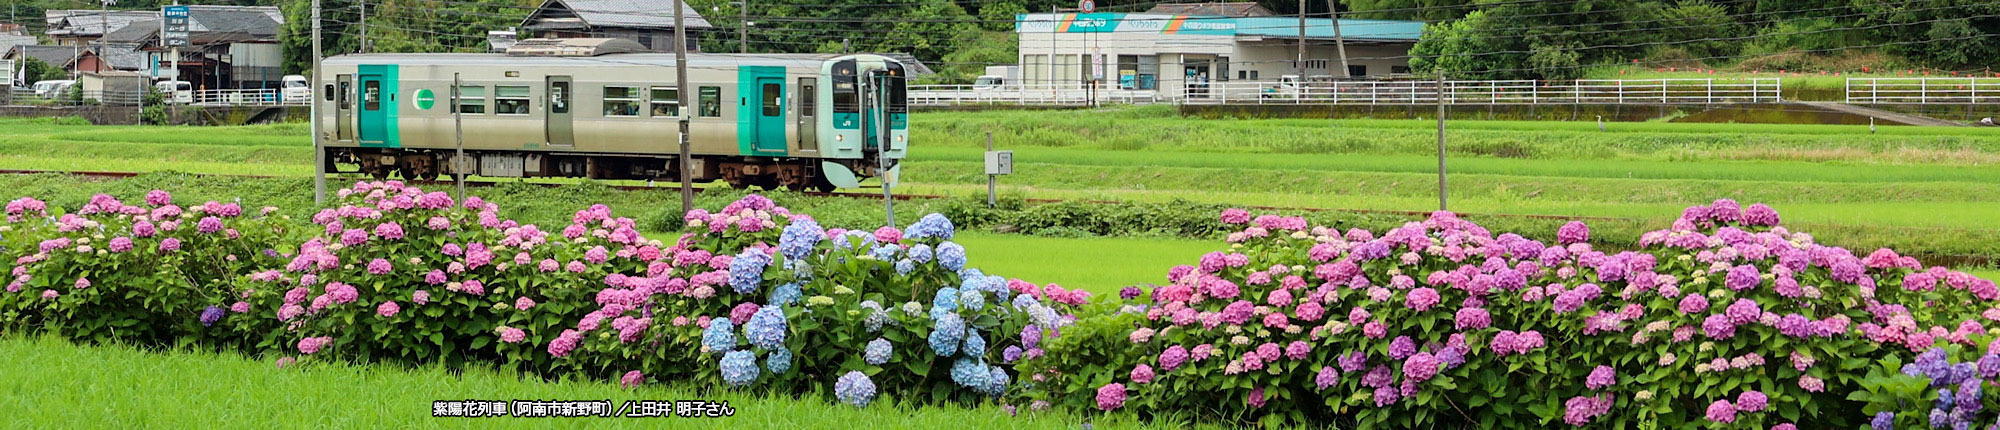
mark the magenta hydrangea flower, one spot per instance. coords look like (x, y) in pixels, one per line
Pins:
(1173, 357)
(1573, 232)
(380, 266)
(420, 297)
(1600, 377)
(388, 309)
(1751, 401)
(1142, 373)
(632, 379)
(524, 303)
(511, 335)
(1722, 412)
(1421, 367)
(312, 345)
(1111, 396)
(1422, 298)
(1472, 319)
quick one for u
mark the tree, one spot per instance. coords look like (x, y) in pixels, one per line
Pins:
(37, 71)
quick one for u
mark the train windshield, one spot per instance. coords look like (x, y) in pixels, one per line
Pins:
(846, 95)
(897, 84)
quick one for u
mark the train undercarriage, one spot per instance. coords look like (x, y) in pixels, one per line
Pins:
(769, 173)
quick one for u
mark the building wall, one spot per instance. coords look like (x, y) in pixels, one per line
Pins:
(256, 65)
(1216, 58)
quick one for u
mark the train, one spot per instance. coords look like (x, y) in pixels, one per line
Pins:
(607, 109)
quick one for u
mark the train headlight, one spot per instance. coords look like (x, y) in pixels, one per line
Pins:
(899, 138)
(840, 138)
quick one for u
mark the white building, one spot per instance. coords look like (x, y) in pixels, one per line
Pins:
(1168, 52)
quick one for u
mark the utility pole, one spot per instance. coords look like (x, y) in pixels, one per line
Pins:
(1440, 103)
(1301, 62)
(743, 27)
(1339, 43)
(364, 26)
(104, 20)
(681, 96)
(319, 151)
(458, 134)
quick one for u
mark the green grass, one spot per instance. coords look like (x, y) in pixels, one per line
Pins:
(1098, 265)
(51, 383)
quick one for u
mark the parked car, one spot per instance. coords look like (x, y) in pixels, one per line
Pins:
(53, 88)
(178, 92)
(297, 90)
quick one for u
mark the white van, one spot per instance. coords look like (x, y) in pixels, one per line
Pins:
(297, 90)
(50, 89)
(177, 92)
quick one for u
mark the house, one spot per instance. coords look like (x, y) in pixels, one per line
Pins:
(1234, 9)
(58, 56)
(78, 27)
(113, 87)
(229, 47)
(651, 23)
(1183, 53)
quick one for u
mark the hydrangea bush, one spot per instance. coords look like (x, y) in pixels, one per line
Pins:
(1726, 319)
(149, 272)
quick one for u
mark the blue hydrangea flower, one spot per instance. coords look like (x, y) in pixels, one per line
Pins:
(913, 308)
(946, 299)
(885, 252)
(785, 295)
(747, 270)
(951, 256)
(854, 388)
(801, 270)
(1024, 301)
(875, 320)
(920, 253)
(930, 226)
(1013, 352)
(720, 336)
(998, 285)
(211, 315)
(975, 345)
(970, 373)
(996, 381)
(766, 328)
(905, 266)
(972, 300)
(739, 368)
(878, 351)
(945, 336)
(970, 276)
(778, 361)
(800, 238)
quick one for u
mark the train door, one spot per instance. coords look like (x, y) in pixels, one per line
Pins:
(771, 114)
(344, 109)
(561, 129)
(373, 121)
(808, 96)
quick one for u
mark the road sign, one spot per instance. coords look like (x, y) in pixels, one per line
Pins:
(175, 31)
(1086, 5)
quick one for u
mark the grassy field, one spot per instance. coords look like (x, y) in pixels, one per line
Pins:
(1872, 188)
(52, 383)
(1098, 265)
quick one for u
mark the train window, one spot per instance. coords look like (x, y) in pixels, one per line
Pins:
(621, 101)
(472, 99)
(328, 94)
(346, 102)
(371, 95)
(898, 89)
(510, 100)
(666, 102)
(711, 101)
(846, 94)
(559, 97)
(808, 96)
(774, 101)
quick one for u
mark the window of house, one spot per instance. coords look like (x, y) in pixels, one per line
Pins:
(510, 100)
(621, 101)
(711, 102)
(666, 102)
(471, 99)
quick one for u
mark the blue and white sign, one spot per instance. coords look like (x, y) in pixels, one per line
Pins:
(175, 30)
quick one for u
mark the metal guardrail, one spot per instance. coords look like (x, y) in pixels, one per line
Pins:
(1648, 91)
(250, 97)
(1923, 90)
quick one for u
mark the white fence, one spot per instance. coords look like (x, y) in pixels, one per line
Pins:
(1923, 90)
(1650, 91)
(251, 97)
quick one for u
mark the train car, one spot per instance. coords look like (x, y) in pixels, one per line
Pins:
(604, 109)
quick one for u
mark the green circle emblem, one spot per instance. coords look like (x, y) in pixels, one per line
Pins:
(425, 99)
